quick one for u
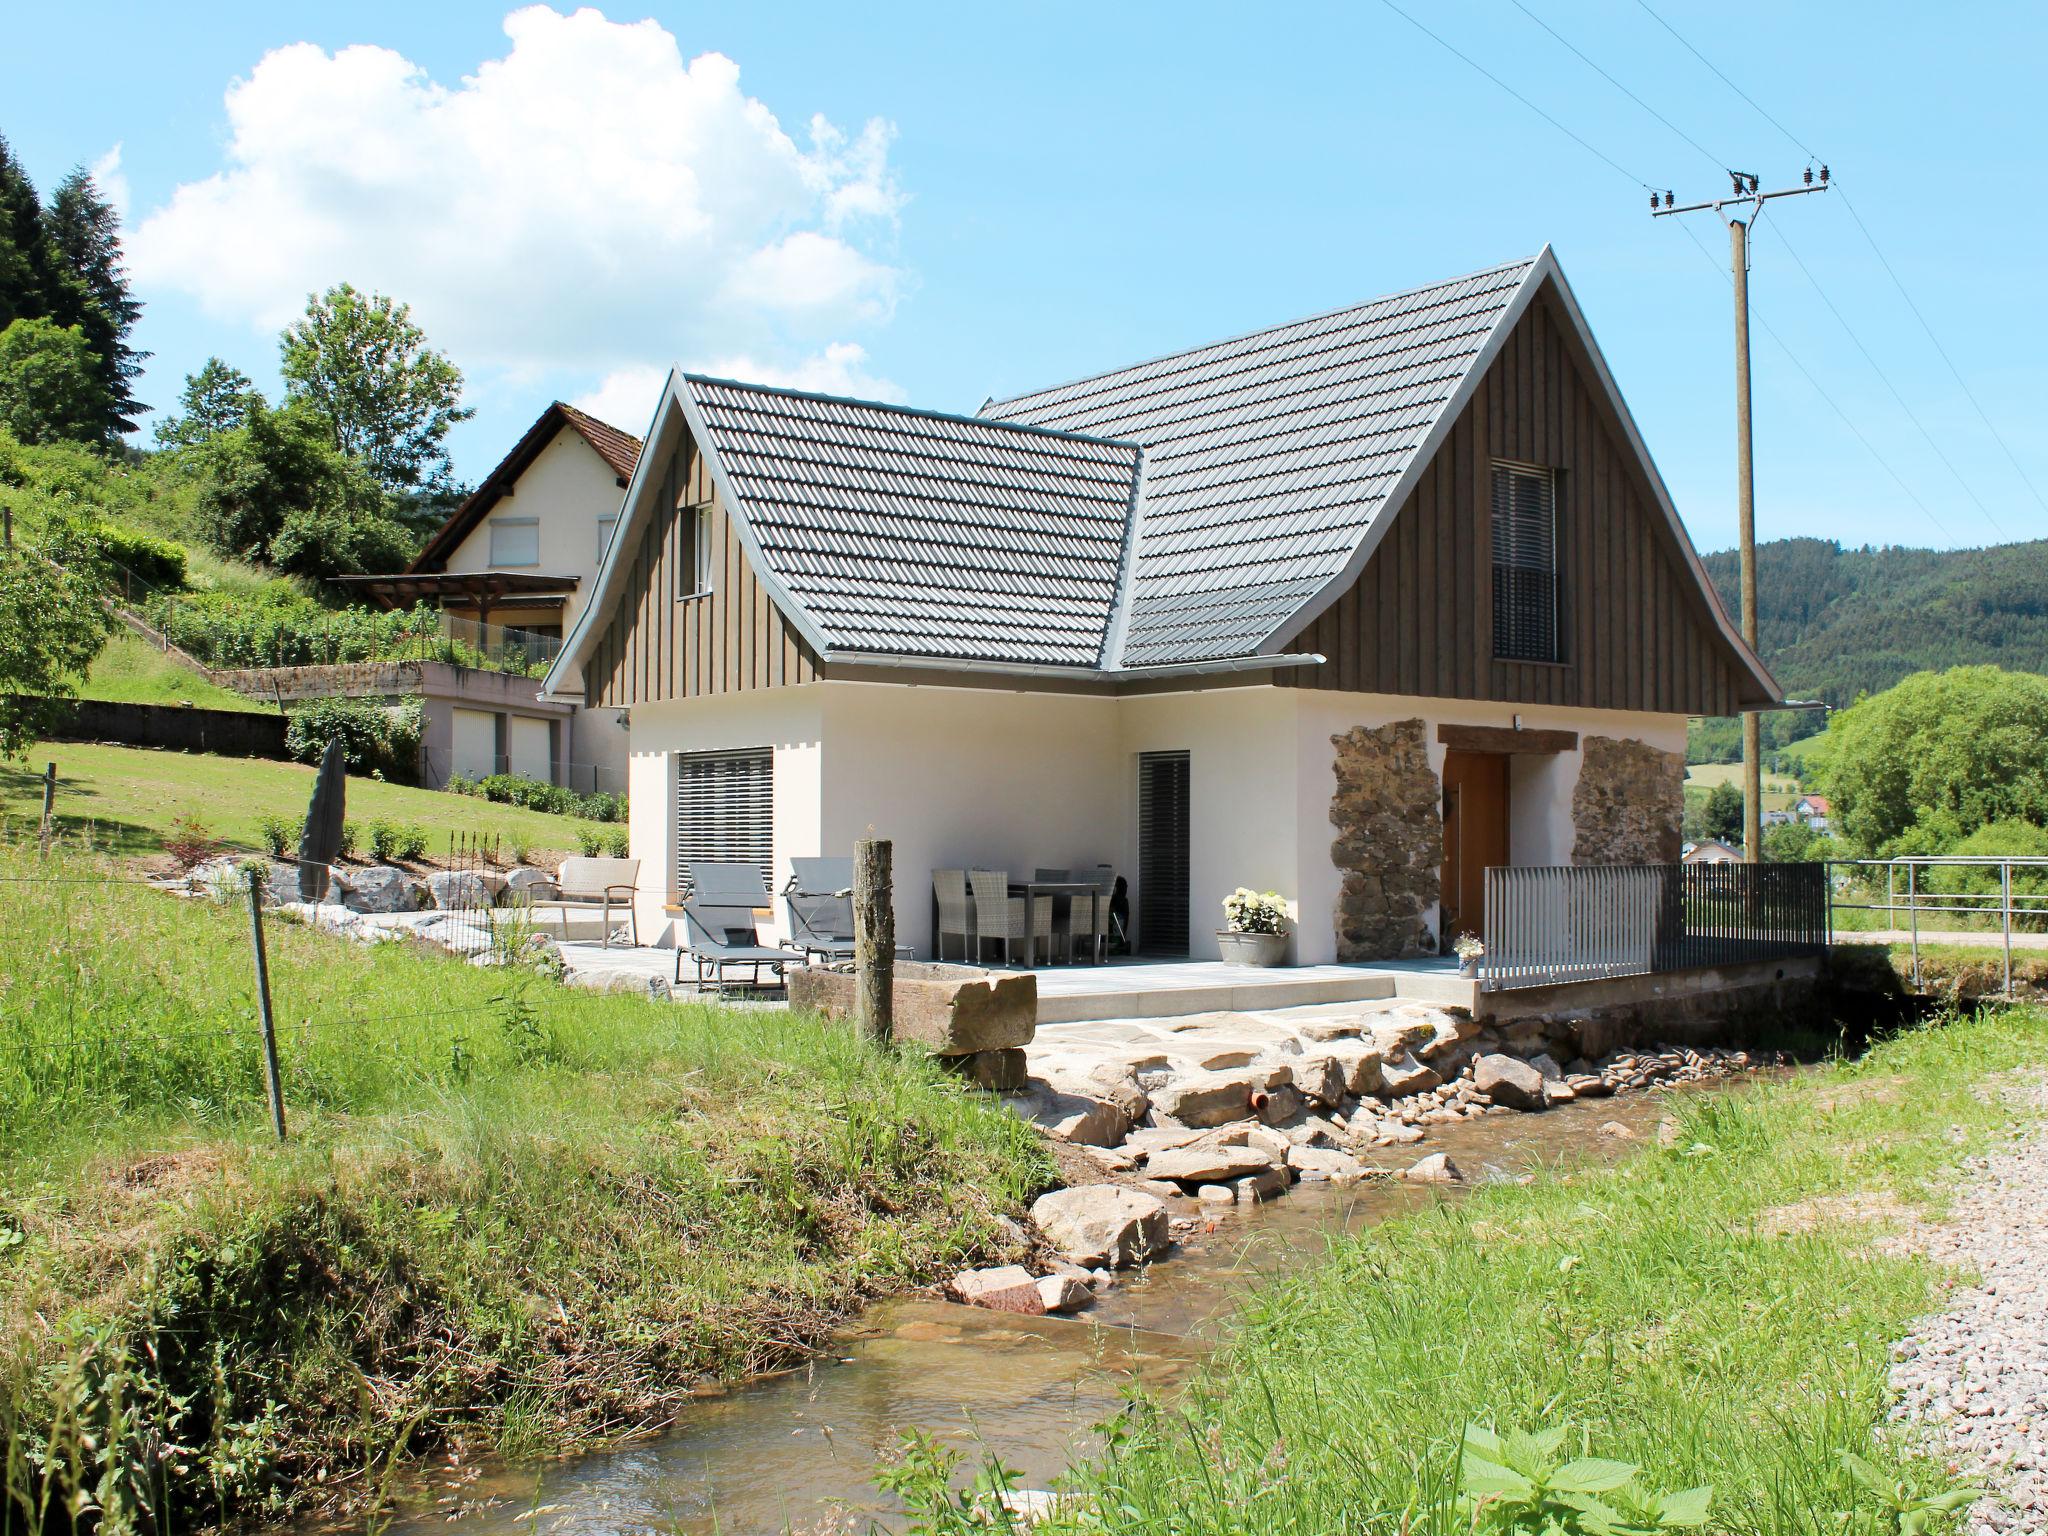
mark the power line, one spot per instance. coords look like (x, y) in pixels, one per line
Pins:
(1955, 373)
(1738, 90)
(1525, 101)
(1719, 163)
(1807, 374)
(1884, 261)
(1888, 384)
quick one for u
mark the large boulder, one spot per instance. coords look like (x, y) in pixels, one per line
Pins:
(1207, 1163)
(1325, 1163)
(1509, 1080)
(1010, 1288)
(1449, 1032)
(1437, 1168)
(1403, 1030)
(1102, 1224)
(522, 882)
(1075, 1117)
(1208, 1098)
(458, 890)
(382, 888)
(1360, 1061)
(1322, 1078)
(1402, 1075)
(1103, 1080)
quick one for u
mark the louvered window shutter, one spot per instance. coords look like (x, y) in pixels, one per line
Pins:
(1524, 564)
(725, 810)
(1163, 852)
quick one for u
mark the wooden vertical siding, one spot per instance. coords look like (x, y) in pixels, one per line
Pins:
(658, 646)
(1634, 628)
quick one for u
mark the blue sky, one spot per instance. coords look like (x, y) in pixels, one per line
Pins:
(1006, 198)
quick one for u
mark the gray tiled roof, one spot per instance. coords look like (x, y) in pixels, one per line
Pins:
(1268, 457)
(913, 533)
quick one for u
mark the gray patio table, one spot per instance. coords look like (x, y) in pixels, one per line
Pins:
(1030, 890)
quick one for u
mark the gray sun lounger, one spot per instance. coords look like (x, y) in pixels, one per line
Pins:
(722, 936)
(819, 900)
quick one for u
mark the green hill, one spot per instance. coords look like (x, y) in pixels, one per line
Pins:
(1835, 622)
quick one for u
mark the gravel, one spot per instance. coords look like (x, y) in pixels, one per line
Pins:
(1978, 1372)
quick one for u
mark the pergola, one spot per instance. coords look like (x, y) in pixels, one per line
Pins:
(481, 590)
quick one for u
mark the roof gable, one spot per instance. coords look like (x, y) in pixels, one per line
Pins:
(619, 450)
(1269, 456)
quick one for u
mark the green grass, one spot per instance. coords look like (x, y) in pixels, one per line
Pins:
(125, 799)
(1717, 1313)
(132, 671)
(510, 1213)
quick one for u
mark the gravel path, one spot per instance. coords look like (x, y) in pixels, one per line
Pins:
(1978, 1371)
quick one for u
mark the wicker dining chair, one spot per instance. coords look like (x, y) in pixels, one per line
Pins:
(956, 916)
(1078, 931)
(1000, 917)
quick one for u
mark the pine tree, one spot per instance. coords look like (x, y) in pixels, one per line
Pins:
(85, 237)
(24, 245)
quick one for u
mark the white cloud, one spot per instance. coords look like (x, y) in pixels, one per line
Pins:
(112, 181)
(585, 202)
(626, 396)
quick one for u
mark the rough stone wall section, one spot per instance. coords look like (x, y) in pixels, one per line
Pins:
(1629, 803)
(1390, 839)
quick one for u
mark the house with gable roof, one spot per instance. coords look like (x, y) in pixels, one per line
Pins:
(1353, 609)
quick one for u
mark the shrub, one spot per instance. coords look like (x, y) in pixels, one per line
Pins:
(604, 806)
(349, 837)
(280, 834)
(397, 840)
(615, 842)
(376, 737)
(189, 841)
(539, 795)
(590, 841)
(279, 626)
(1982, 882)
(157, 562)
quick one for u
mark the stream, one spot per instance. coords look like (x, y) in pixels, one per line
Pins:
(796, 1451)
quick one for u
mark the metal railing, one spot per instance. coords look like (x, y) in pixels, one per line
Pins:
(1550, 925)
(1943, 898)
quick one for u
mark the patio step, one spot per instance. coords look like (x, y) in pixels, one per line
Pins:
(1442, 989)
(1226, 994)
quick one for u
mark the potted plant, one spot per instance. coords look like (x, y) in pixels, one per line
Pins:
(1470, 951)
(1257, 931)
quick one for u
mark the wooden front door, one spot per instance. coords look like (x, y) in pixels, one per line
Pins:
(1475, 836)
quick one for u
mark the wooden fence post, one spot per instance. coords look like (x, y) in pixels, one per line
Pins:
(49, 825)
(271, 1078)
(874, 936)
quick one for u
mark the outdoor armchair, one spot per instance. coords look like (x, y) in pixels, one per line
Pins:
(1002, 918)
(584, 884)
(956, 916)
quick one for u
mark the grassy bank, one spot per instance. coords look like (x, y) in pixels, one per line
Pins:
(132, 671)
(509, 1213)
(1717, 1313)
(125, 798)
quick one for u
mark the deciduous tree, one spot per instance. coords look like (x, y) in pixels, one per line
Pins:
(389, 396)
(50, 385)
(53, 621)
(218, 398)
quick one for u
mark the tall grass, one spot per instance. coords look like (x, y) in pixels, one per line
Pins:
(1701, 1311)
(508, 1210)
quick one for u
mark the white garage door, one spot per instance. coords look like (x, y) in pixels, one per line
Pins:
(527, 746)
(474, 751)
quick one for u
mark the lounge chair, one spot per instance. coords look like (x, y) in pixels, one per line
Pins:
(586, 883)
(728, 881)
(721, 935)
(819, 901)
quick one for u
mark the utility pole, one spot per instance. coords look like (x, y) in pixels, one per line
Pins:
(1748, 201)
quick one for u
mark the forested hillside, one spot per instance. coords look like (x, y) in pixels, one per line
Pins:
(1835, 622)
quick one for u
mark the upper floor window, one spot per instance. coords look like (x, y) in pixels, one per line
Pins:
(515, 541)
(1525, 598)
(693, 545)
(605, 525)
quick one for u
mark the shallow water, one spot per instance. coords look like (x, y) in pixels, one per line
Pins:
(797, 1451)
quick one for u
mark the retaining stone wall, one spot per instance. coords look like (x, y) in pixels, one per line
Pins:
(1389, 844)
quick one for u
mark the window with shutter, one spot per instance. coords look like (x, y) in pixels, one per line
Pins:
(1163, 794)
(725, 810)
(515, 541)
(1525, 598)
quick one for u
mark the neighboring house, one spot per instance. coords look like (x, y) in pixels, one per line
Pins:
(1814, 811)
(1712, 851)
(1777, 818)
(512, 568)
(1353, 609)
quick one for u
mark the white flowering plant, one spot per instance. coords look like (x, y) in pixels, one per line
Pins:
(1250, 911)
(1468, 947)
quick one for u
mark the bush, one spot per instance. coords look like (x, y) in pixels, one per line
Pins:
(539, 795)
(280, 834)
(396, 840)
(615, 842)
(1981, 882)
(157, 562)
(376, 737)
(590, 841)
(190, 841)
(282, 627)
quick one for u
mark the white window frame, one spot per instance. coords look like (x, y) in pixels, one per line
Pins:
(606, 526)
(699, 514)
(500, 525)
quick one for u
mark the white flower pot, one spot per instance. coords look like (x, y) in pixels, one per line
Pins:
(1252, 948)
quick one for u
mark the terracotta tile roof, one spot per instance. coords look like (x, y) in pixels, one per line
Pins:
(619, 449)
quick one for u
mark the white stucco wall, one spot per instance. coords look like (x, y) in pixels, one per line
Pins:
(963, 777)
